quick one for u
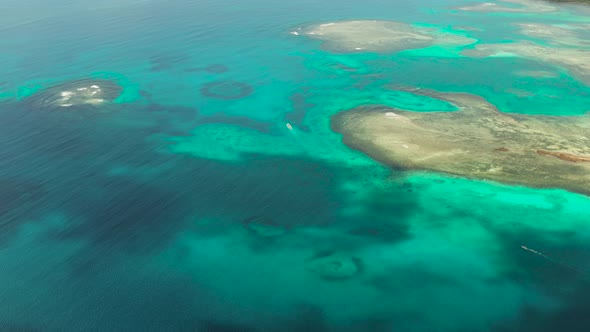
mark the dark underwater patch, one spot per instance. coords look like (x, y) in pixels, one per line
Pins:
(216, 69)
(306, 317)
(407, 277)
(163, 62)
(130, 211)
(211, 69)
(289, 191)
(242, 121)
(16, 327)
(300, 107)
(19, 201)
(219, 326)
(564, 261)
(227, 90)
(386, 214)
(572, 316)
(128, 214)
(139, 216)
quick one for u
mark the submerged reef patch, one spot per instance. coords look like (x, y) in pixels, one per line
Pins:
(162, 62)
(216, 69)
(301, 105)
(264, 227)
(478, 141)
(569, 35)
(242, 121)
(377, 36)
(211, 69)
(334, 266)
(76, 94)
(576, 60)
(561, 45)
(19, 199)
(227, 90)
(539, 74)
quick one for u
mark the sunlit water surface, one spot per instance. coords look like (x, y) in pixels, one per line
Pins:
(177, 210)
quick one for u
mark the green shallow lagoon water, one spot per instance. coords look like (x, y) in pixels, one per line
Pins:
(190, 205)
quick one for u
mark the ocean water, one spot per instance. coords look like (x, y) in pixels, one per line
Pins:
(177, 210)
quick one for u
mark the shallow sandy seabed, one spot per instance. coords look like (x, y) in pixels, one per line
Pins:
(228, 142)
(577, 61)
(572, 1)
(478, 141)
(525, 6)
(536, 73)
(378, 36)
(466, 28)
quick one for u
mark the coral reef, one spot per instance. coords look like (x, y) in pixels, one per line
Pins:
(75, 94)
(377, 36)
(571, 35)
(478, 141)
(576, 60)
(522, 6)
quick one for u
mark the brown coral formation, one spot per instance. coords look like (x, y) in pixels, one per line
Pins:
(477, 141)
(564, 156)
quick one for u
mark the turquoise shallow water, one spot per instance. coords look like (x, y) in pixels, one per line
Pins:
(179, 211)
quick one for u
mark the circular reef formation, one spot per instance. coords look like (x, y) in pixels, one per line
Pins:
(334, 267)
(216, 69)
(84, 93)
(227, 90)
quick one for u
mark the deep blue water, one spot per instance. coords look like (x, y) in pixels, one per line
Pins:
(176, 210)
